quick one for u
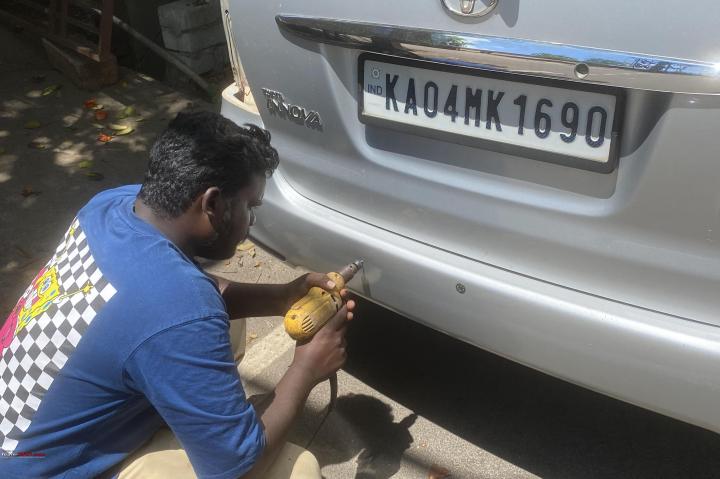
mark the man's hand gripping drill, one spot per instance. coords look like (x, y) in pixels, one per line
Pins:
(318, 322)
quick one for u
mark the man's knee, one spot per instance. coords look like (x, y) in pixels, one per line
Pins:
(237, 338)
(294, 462)
(163, 457)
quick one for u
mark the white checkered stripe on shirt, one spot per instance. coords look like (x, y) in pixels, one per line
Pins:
(40, 350)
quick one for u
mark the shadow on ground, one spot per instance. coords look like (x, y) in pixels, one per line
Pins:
(544, 425)
(384, 440)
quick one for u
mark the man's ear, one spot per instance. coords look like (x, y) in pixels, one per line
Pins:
(213, 206)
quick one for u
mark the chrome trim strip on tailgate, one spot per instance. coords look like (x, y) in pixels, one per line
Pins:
(544, 59)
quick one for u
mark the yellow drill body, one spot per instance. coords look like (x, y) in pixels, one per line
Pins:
(310, 313)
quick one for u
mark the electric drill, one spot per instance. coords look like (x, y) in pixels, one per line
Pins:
(310, 313)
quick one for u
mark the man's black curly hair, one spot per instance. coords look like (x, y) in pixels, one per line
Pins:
(200, 150)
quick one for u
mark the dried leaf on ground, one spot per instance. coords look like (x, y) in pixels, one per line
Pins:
(126, 112)
(94, 176)
(90, 103)
(38, 145)
(438, 472)
(100, 115)
(22, 251)
(28, 191)
(118, 126)
(50, 90)
(104, 138)
(124, 131)
(32, 124)
(246, 245)
(85, 164)
(253, 253)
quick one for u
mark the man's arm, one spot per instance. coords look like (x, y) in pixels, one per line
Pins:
(314, 361)
(244, 300)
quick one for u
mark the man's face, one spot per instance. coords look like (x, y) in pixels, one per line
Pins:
(237, 218)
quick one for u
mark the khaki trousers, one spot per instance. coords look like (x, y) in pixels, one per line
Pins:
(162, 457)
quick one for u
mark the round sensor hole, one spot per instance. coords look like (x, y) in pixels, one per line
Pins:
(582, 70)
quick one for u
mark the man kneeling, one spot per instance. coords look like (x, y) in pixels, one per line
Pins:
(122, 333)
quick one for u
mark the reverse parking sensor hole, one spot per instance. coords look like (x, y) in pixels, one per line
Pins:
(460, 288)
(582, 70)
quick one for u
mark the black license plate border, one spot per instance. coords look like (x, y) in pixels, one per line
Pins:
(493, 145)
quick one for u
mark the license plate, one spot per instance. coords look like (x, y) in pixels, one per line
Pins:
(549, 120)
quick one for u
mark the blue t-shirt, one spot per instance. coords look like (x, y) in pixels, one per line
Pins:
(119, 333)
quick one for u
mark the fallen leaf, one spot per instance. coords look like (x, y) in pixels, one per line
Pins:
(100, 115)
(253, 253)
(437, 472)
(28, 191)
(91, 103)
(126, 112)
(125, 131)
(38, 145)
(104, 138)
(94, 176)
(252, 336)
(117, 126)
(50, 90)
(139, 119)
(32, 124)
(22, 251)
(245, 245)
(85, 164)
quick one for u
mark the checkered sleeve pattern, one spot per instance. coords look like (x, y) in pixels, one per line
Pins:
(51, 318)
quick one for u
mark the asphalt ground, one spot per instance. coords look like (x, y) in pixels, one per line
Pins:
(413, 402)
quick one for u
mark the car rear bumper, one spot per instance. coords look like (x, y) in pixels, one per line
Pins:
(661, 362)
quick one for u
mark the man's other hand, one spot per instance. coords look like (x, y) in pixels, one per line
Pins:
(325, 353)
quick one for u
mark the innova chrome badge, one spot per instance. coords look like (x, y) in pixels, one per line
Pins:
(278, 105)
(469, 8)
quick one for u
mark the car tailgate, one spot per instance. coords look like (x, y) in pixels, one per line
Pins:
(643, 230)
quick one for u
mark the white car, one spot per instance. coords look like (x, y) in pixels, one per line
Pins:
(541, 180)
